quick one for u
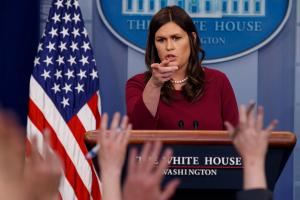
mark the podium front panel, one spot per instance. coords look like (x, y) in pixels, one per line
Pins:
(215, 166)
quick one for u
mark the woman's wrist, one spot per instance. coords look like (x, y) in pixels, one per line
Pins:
(254, 161)
(110, 171)
(254, 174)
(154, 83)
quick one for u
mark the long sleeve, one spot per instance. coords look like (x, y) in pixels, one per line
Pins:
(138, 114)
(229, 104)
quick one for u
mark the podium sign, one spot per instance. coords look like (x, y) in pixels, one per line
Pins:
(207, 160)
(204, 166)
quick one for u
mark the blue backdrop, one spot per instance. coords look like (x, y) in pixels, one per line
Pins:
(267, 76)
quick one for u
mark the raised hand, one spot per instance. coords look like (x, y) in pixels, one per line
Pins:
(144, 177)
(42, 174)
(113, 142)
(12, 157)
(113, 145)
(249, 137)
(251, 141)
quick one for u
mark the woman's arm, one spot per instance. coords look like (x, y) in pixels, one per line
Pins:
(139, 115)
(113, 143)
(229, 105)
(161, 73)
(142, 101)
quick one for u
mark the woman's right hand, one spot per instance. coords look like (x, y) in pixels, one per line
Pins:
(162, 72)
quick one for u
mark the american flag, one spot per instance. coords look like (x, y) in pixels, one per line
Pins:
(64, 97)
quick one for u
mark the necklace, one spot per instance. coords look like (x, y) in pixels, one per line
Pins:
(180, 81)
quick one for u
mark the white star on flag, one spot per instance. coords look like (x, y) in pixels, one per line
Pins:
(94, 74)
(46, 74)
(65, 102)
(67, 18)
(75, 32)
(76, 4)
(86, 46)
(84, 32)
(81, 74)
(48, 61)
(62, 46)
(65, 32)
(40, 47)
(70, 74)
(72, 60)
(56, 18)
(53, 32)
(84, 60)
(36, 61)
(50, 46)
(59, 4)
(58, 74)
(79, 88)
(76, 18)
(60, 60)
(56, 88)
(67, 88)
(68, 4)
(74, 46)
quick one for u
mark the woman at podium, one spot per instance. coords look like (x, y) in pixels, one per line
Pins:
(177, 92)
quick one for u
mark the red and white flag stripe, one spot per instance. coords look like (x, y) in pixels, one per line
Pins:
(67, 140)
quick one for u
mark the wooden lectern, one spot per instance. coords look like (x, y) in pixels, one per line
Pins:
(207, 163)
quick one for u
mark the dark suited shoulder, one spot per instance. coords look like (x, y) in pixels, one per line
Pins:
(257, 194)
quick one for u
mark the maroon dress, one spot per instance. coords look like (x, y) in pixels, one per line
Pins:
(217, 105)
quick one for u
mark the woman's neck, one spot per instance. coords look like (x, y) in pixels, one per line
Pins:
(178, 86)
(179, 78)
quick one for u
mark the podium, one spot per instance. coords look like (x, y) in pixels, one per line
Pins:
(206, 161)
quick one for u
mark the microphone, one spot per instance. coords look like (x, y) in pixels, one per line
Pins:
(196, 124)
(181, 124)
